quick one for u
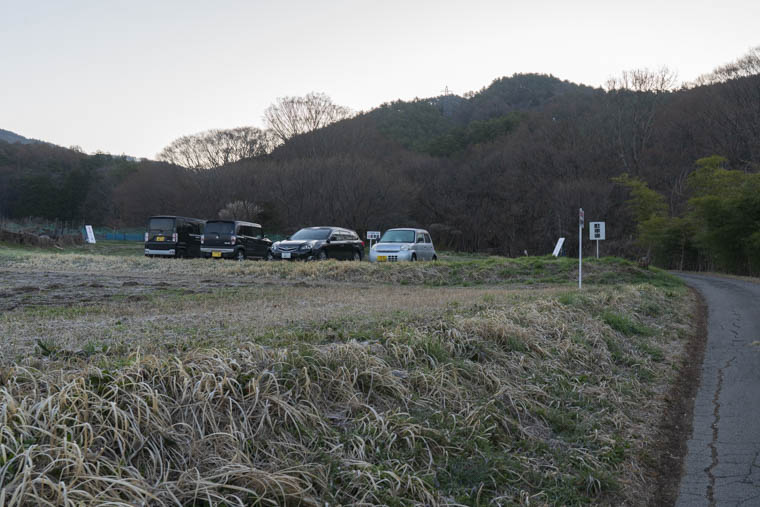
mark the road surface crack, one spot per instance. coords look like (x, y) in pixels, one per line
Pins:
(714, 444)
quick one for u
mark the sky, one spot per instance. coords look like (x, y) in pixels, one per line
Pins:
(129, 77)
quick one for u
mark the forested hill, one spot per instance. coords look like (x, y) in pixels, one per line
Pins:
(12, 137)
(447, 124)
(503, 170)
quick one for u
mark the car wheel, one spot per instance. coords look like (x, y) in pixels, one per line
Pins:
(269, 257)
(414, 257)
(322, 256)
(240, 255)
(435, 258)
(357, 255)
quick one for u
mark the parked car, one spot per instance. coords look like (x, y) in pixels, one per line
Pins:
(234, 239)
(318, 243)
(403, 244)
(172, 236)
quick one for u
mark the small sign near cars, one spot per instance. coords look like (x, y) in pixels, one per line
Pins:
(90, 234)
(373, 235)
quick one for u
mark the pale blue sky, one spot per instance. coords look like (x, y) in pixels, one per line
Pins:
(131, 76)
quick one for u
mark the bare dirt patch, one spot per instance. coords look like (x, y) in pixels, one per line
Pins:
(676, 424)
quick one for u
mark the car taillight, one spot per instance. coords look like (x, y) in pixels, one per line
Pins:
(362, 243)
(233, 238)
(146, 237)
(174, 237)
(203, 238)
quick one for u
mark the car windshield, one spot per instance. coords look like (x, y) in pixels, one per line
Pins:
(161, 225)
(398, 236)
(311, 234)
(220, 228)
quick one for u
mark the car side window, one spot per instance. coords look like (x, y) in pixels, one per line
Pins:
(420, 238)
(256, 232)
(427, 238)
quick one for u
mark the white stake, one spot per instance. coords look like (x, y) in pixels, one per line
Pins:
(580, 248)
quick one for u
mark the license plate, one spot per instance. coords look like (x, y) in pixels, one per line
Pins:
(160, 238)
(216, 254)
(286, 255)
(382, 258)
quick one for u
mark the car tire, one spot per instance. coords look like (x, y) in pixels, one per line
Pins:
(240, 255)
(435, 258)
(357, 255)
(414, 257)
(322, 255)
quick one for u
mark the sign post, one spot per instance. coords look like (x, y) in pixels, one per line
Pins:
(90, 234)
(596, 232)
(558, 248)
(372, 235)
(581, 218)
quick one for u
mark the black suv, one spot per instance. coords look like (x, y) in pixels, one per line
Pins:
(171, 236)
(234, 239)
(317, 243)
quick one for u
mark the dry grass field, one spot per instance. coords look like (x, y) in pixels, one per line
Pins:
(471, 381)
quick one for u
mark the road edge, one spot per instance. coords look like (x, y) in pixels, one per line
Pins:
(675, 426)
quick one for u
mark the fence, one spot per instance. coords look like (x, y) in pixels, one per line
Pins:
(107, 233)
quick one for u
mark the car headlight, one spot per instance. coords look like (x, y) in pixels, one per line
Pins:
(275, 245)
(406, 247)
(374, 247)
(305, 247)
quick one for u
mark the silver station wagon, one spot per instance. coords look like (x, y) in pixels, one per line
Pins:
(403, 245)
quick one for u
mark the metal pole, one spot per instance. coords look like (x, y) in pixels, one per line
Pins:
(580, 255)
(597, 248)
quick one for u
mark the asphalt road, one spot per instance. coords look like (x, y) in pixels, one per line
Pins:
(722, 465)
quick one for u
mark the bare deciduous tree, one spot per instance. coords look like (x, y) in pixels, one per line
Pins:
(240, 210)
(215, 148)
(636, 97)
(290, 116)
(644, 80)
(747, 65)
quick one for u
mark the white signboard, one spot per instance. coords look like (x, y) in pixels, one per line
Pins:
(558, 248)
(373, 235)
(596, 230)
(90, 234)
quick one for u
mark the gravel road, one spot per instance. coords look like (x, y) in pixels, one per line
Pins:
(722, 466)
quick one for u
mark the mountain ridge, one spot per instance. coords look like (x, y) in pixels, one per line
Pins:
(12, 137)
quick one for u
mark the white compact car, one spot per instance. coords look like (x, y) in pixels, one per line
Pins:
(403, 245)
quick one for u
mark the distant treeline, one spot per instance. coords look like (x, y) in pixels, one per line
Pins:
(503, 170)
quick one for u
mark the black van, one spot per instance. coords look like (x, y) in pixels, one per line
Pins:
(233, 239)
(170, 236)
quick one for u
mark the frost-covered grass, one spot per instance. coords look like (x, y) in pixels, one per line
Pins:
(340, 383)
